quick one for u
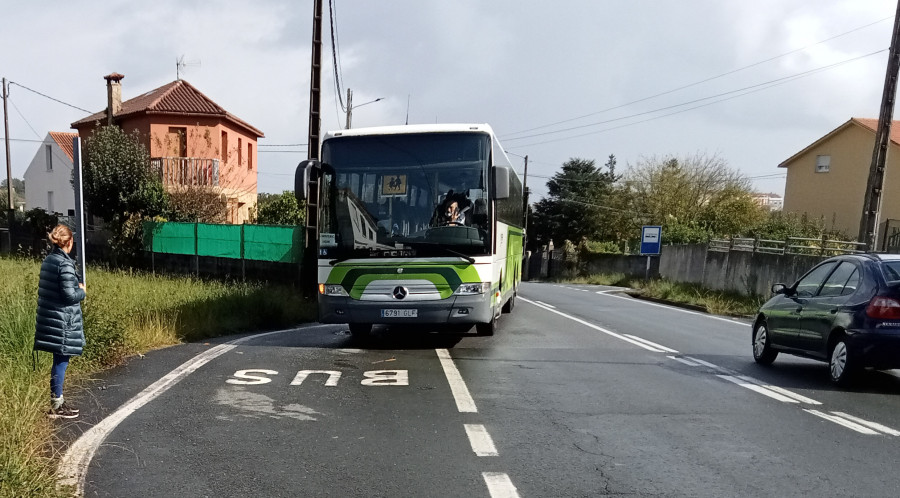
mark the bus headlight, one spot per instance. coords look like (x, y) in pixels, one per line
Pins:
(473, 289)
(332, 290)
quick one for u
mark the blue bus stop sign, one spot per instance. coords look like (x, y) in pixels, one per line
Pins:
(651, 239)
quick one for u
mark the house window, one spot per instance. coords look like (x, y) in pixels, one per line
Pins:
(176, 142)
(225, 147)
(50, 207)
(823, 164)
(48, 150)
(240, 152)
(249, 156)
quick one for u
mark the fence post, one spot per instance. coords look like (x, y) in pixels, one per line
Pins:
(152, 253)
(196, 251)
(243, 267)
(755, 245)
(822, 249)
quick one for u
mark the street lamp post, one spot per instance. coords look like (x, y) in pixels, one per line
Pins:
(350, 106)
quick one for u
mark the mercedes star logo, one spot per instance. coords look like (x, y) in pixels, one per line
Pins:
(400, 292)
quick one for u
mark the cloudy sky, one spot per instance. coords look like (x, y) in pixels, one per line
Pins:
(753, 82)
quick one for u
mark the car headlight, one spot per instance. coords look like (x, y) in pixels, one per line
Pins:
(332, 290)
(473, 289)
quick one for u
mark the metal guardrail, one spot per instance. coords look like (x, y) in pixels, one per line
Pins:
(792, 245)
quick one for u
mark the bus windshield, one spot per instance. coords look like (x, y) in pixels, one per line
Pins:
(405, 195)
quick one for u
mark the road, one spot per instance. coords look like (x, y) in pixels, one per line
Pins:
(583, 392)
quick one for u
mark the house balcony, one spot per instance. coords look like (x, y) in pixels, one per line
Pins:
(186, 171)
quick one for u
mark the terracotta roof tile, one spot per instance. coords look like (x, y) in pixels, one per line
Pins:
(64, 140)
(872, 124)
(177, 97)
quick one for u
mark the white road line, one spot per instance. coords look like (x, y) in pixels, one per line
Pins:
(499, 485)
(799, 397)
(682, 360)
(760, 389)
(464, 401)
(652, 344)
(481, 441)
(74, 464)
(545, 304)
(595, 327)
(871, 425)
(708, 364)
(842, 421)
(673, 308)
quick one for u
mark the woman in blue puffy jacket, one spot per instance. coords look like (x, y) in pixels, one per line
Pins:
(59, 323)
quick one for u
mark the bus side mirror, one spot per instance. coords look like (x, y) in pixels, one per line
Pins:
(301, 178)
(501, 182)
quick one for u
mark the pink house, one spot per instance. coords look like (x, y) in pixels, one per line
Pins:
(192, 141)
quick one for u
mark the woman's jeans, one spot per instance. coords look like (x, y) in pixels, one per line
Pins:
(58, 374)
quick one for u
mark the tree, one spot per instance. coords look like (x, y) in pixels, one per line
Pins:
(577, 205)
(18, 192)
(194, 203)
(693, 197)
(120, 187)
(279, 209)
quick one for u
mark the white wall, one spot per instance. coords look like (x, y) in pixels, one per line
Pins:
(39, 181)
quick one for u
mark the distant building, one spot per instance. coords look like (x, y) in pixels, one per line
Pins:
(192, 141)
(773, 202)
(828, 178)
(48, 179)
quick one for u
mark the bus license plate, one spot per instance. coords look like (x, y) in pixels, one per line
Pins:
(390, 313)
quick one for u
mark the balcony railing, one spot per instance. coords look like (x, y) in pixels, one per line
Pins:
(187, 171)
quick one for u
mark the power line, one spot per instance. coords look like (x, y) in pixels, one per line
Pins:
(281, 145)
(338, 82)
(49, 97)
(762, 86)
(747, 89)
(698, 82)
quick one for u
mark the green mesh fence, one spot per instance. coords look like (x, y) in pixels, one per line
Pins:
(282, 244)
(273, 243)
(169, 238)
(220, 241)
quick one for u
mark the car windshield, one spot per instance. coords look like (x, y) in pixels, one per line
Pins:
(405, 195)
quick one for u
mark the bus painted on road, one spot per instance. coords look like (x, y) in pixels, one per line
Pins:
(414, 224)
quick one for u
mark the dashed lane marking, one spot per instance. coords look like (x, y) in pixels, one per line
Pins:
(872, 425)
(464, 401)
(499, 485)
(843, 421)
(481, 441)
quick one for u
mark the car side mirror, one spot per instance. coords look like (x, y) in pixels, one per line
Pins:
(501, 182)
(781, 289)
(302, 176)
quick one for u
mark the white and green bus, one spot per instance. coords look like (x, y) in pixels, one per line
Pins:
(417, 224)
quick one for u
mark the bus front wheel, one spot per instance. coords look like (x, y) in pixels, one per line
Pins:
(486, 329)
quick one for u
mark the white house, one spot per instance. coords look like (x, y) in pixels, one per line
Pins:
(48, 179)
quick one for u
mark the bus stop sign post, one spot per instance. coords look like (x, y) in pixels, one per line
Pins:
(651, 240)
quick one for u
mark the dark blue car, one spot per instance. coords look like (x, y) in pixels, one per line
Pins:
(846, 311)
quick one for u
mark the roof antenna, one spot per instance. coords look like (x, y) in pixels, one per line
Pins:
(407, 108)
(181, 64)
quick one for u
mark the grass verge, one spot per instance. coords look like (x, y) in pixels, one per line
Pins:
(125, 313)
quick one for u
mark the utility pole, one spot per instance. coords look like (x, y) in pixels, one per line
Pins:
(525, 196)
(349, 107)
(315, 83)
(868, 225)
(9, 185)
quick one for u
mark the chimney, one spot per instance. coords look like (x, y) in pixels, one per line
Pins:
(113, 96)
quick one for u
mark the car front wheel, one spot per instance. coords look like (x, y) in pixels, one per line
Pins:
(762, 347)
(841, 363)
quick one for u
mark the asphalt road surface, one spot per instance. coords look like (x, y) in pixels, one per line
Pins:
(583, 392)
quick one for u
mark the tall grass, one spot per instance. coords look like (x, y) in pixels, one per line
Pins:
(125, 313)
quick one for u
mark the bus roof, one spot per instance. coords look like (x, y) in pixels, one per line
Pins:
(500, 157)
(417, 128)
